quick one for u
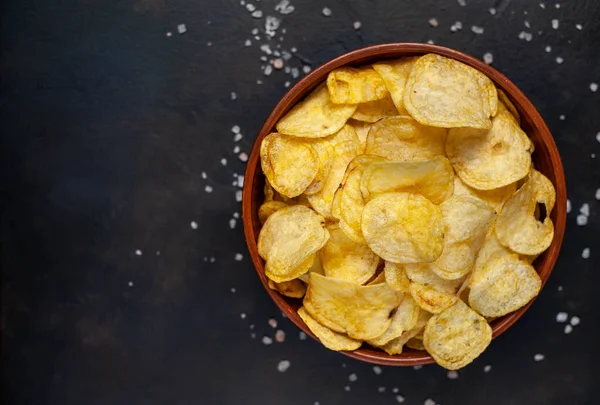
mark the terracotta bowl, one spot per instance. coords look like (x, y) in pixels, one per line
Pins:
(546, 158)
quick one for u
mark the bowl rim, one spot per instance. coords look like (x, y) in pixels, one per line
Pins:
(383, 51)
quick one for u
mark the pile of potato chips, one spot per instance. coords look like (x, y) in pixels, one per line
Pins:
(402, 205)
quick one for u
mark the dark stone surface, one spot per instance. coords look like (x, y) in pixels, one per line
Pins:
(107, 125)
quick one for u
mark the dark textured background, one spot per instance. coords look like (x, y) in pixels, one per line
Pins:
(106, 126)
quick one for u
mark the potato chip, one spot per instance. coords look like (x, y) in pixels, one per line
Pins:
(330, 339)
(402, 138)
(504, 285)
(503, 98)
(466, 222)
(363, 312)
(293, 288)
(348, 202)
(430, 299)
(315, 117)
(377, 279)
(456, 336)
(348, 85)
(289, 236)
(517, 227)
(291, 274)
(268, 208)
(345, 259)
(415, 344)
(362, 130)
(433, 179)
(316, 267)
(373, 111)
(395, 74)
(395, 346)
(495, 197)
(403, 228)
(491, 249)
(290, 165)
(426, 274)
(396, 277)
(489, 159)
(404, 319)
(325, 154)
(268, 191)
(443, 92)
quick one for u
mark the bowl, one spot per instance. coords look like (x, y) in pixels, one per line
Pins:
(546, 159)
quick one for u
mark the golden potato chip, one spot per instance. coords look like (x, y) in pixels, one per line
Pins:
(268, 208)
(268, 191)
(293, 288)
(503, 98)
(430, 299)
(290, 165)
(489, 159)
(345, 259)
(325, 154)
(504, 285)
(415, 344)
(396, 277)
(403, 228)
(466, 222)
(289, 236)
(315, 117)
(348, 85)
(316, 267)
(517, 227)
(373, 111)
(296, 272)
(443, 92)
(426, 274)
(495, 197)
(362, 130)
(330, 339)
(395, 74)
(456, 336)
(491, 249)
(396, 345)
(404, 319)
(433, 179)
(378, 279)
(363, 312)
(402, 138)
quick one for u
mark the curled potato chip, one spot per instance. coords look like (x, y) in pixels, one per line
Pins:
(491, 249)
(268, 208)
(466, 222)
(404, 319)
(396, 277)
(290, 165)
(403, 138)
(504, 285)
(348, 85)
(430, 299)
(373, 111)
(325, 155)
(495, 197)
(456, 336)
(377, 279)
(330, 339)
(489, 159)
(503, 98)
(426, 274)
(316, 116)
(363, 312)
(443, 92)
(395, 74)
(291, 274)
(403, 228)
(517, 227)
(345, 259)
(293, 288)
(433, 179)
(395, 346)
(415, 344)
(289, 236)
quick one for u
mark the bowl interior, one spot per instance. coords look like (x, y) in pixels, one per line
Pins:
(545, 158)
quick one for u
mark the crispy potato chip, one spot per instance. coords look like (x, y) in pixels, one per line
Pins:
(345, 259)
(402, 138)
(378, 279)
(268, 208)
(290, 165)
(396, 277)
(330, 339)
(325, 154)
(456, 336)
(415, 344)
(289, 236)
(426, 274)
(348, 85)
(466, 222)
(517, 227)
(495, 197)
(395, 74)
(403, 228)
(315, 117)
(404, 319)
(489, 159)
(292, 274)
(316, 267)
(268, 191)
(443, 92)
(503, 286)
(433, 179)
(373, 111)
(503, 98)
(362, 130)
(430, 299)
(293, 288)
(363, 312)
(491, 249)
(396, 345)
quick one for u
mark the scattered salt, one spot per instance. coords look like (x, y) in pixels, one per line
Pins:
(240, 181)
(277, 63)
(492, 11)
(257, 14)
(236, 149)
(477, 30)
(429, 401)
(562, 117)
(280, 336)
(399, 399)
(243, 156)
(488, 58)
(585, 209)
(283, 366)
(594, 87)
(158, 253)
(224, 162)
(247, 43)
(306, 69)
(526, 24)
(555, 24)
(562, 317)
(559, 60)
(579, 26)
(598, 194)
(181, 29)
(243, 315)
(266, 340)
(238, 257)
(462, 2)
(487, 368)
(538, 357)
(548, 48)
(194, 225)
(568, 206)
(233, 290)
(232, 223)
(212, 259)
(302, 335)
(568, 329)
(326, 11)
(395, 390)
(238, 195)
(236, 215)
(452, 374)
(284, 7)
(272, 323)
(377, 370)
(268, 70)
(575, 321)
(236, 129)
(418, 367)
(380, 389)
(352, 377)
(527, 36)
(357, 25)
(208, 189)
(233, 95)
(138, 252)
(586, 253)
(457, 26)
(130, 284)
(237, 137)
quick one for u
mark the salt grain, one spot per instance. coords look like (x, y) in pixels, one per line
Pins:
(243, 315)
(266, 340)
(268, 70)
(247, 43)
(568, 329)
(429, 401)
(326, 11)
(462, 2)
(352, 377)
(236, 149)
(594, 87)
(208, 189)
(418, 367)
(598, 194)
(138, 252)
(240, 181)
(560, 288)
(347, 388)
(575, 321)
(286, 84)
(194, 225)
(527, 36)
(250, 7)
(271, 25)
(130, 284)
(433, 22)
(377, 370)
(598, 136)
(477, 30)
(278, 63)
(243, 156)
(562, 117)
(586, 253)
(272, 323)
(233, 290)
(233, 95)
(399, 399)
(579, 26)
(585, 209)
(236, 215)
(236, 129)
(526, 24)
(253, 335)
(488, 58)
(284, 7)
(232, 223)
(283, 366)
(238, 257)
(452, 374)
(212, 260)
(306, 69)
(158, 253)
(492, 11)
(380, 389)
(559, 60)
(280, 336)
(237, 137)
(357, 25)
(487, 368)
(568, 206)
(302, 336)
(538, 357)
(457, 26)
(181, 29)
(224, 162)
(238, 195)
(548, 49)
(562, 317)
(555, 24)
(430, 41)
(395, 390)
(169, 34)
(257, 14)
